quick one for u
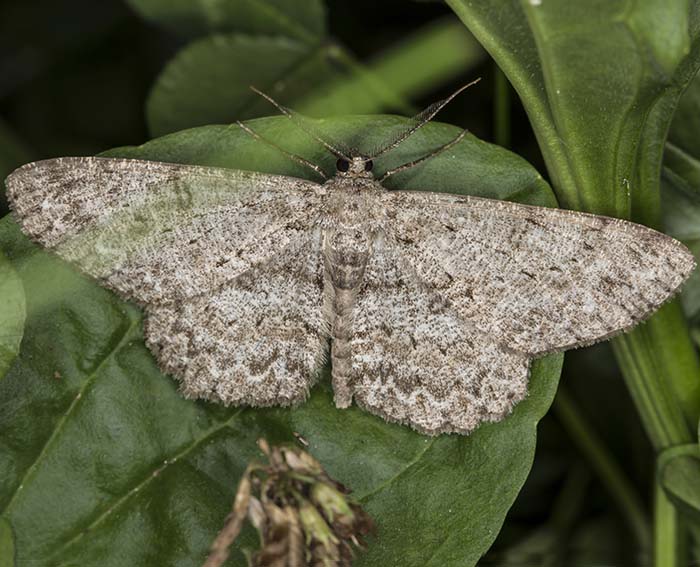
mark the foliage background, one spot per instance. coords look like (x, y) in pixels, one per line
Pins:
(81, 77)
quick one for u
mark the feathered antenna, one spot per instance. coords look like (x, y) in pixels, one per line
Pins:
(302, 122)
(419, 120)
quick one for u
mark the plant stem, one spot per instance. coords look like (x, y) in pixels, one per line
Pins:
(608, 470)
(667, 544)
(501, 111)
(660, 368)
(434, 55)
(565, 512)
(646, 358)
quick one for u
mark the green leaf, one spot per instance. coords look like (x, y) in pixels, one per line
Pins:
(12, 314)
(7, 544)
(679, 474)
(599, 80)
(103, 462)
(208, 81)
(300, 19)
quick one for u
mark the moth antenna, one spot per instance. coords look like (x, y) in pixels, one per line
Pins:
(431, 155)
(294, 157)
(420, 120)
(302, 123)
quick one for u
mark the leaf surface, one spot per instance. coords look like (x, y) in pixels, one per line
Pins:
(599, 80)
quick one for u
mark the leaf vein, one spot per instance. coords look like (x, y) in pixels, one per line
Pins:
(393, 479)
(67, 414)
(155, 473)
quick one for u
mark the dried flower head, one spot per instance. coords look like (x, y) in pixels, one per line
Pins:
(304, 517)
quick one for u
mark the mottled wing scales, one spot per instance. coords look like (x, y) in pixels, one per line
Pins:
(223, 261)
(258, 340)
(459, 293)
(159, 232)
(415, 361)
(539, 280)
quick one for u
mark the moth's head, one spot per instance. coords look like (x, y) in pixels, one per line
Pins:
(356, 166)
(352, 164)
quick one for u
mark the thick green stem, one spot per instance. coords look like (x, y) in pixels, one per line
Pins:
(660, 367)
(434, 55)
(649, 359)
(668, 548)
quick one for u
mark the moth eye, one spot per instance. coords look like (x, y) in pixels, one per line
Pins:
(369, 165)
(342, 164)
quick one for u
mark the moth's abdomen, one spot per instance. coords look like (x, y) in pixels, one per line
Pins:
(346, 255)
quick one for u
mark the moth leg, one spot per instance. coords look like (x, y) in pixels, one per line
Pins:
(410, 164)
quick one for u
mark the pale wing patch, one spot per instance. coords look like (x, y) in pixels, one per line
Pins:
(415, 361)
(159, 232)
(539, 279)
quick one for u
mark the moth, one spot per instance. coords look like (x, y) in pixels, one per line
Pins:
(433, 304)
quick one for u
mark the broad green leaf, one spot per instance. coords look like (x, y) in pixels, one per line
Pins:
(300, 19)
(208, 81)
(103, 463)
(679, 475)
(599, 80)
(12, 314)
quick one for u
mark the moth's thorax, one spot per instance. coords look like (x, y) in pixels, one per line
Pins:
(354, 183)
(353, 203)
(354, 214)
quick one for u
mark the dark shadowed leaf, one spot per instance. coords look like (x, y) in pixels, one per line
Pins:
(12, 314)
(208, 81)
(679, 474)
(13, 153)
(100, 453)
(301, 19)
